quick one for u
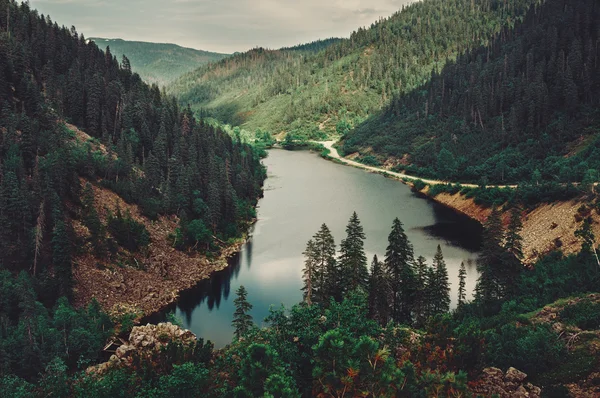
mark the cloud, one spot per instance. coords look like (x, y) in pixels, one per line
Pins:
(219, 25)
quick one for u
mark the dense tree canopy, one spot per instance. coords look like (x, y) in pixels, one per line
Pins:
(525, 102)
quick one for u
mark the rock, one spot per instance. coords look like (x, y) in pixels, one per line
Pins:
(145, 341)
(515, 375)
(494, 382)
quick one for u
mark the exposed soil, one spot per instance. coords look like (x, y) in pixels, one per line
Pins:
(546, 228)
(144, 282)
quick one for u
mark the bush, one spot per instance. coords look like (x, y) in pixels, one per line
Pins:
(585, 315)
(419, 185)
(533, 350)
(129, 233)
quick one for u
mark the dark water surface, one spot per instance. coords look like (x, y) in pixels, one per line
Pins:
(303, 191)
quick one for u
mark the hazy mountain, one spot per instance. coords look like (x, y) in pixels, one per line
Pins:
(158, 62)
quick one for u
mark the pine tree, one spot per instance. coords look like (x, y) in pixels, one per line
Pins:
(327, 273)
(399, 260)
(353, 261)
(378, 293)
(61, 258)
(91, 219)
(462, 275)
(513, 240)
(422, 302)
(441, 303)
(242, 321)
(489, 264)
(309, 273)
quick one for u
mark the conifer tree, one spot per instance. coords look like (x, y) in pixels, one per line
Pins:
(328, 275)
(352, 260)
(489, 264)
(513, 240)
(61, 257)
(309, 273)
(462, 275)
(399, 260)
(379, 293)
(422, 301)
(441, 303)
(242, 320)
(91, 219)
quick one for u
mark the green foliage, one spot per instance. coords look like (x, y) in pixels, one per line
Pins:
(332, 87)
(585, 315)
(532, 349)
(242, 321)
(130, 234)
(516, 106)
(158, 63)
(353, 261)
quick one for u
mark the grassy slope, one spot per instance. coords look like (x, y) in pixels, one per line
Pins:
(158, 62)
(311, 91)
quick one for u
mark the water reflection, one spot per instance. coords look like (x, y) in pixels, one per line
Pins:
(301, 193)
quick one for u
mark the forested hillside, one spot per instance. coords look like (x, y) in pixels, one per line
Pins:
(138, 143)
(159, 63)
(525, 106)
(309, 93)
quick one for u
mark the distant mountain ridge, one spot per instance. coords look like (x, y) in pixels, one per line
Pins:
(337, 83)
(158, 63)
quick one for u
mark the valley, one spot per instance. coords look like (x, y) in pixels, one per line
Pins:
(183, 223)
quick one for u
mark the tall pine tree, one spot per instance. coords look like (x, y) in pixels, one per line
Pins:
(399, 260)
(352, 260)
(441, 303)
(379, 293)
(462, 292)
(242, 320)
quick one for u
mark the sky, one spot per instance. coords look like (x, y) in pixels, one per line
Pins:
(218, 25)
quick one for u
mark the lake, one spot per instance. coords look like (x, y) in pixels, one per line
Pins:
(303, 191)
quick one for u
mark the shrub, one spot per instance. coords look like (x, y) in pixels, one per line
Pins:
(585, 315)
(129, 233)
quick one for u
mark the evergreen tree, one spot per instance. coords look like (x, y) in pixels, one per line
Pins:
(328, 276)
(242, 320)
(489, 264)
(378, 293)
(352, 260)
(399, 260)
(513, 240)
(91, 219)
(462, 275)
(422, 302)
(61, 256)
(309, 273)
(441, 302)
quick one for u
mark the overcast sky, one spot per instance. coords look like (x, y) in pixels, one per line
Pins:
(218, 25)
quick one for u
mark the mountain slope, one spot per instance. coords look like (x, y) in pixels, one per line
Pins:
(141, 145)
(159, 63)
(309, 93)
(527, 101)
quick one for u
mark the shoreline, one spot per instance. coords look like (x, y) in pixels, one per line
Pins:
(547, 227)
(146, 282)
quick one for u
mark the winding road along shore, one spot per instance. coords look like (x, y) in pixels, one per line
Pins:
(334, 154)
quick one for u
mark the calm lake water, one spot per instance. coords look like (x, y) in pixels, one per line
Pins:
(303, 191)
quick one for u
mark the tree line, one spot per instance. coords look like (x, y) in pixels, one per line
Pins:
(520, 106)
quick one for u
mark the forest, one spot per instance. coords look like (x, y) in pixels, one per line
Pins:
(387, 332)
(523, 106)
(455, 81)
(138, 142)
(333, 85)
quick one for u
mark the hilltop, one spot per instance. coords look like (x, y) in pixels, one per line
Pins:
(330, 88)
(159, 63)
